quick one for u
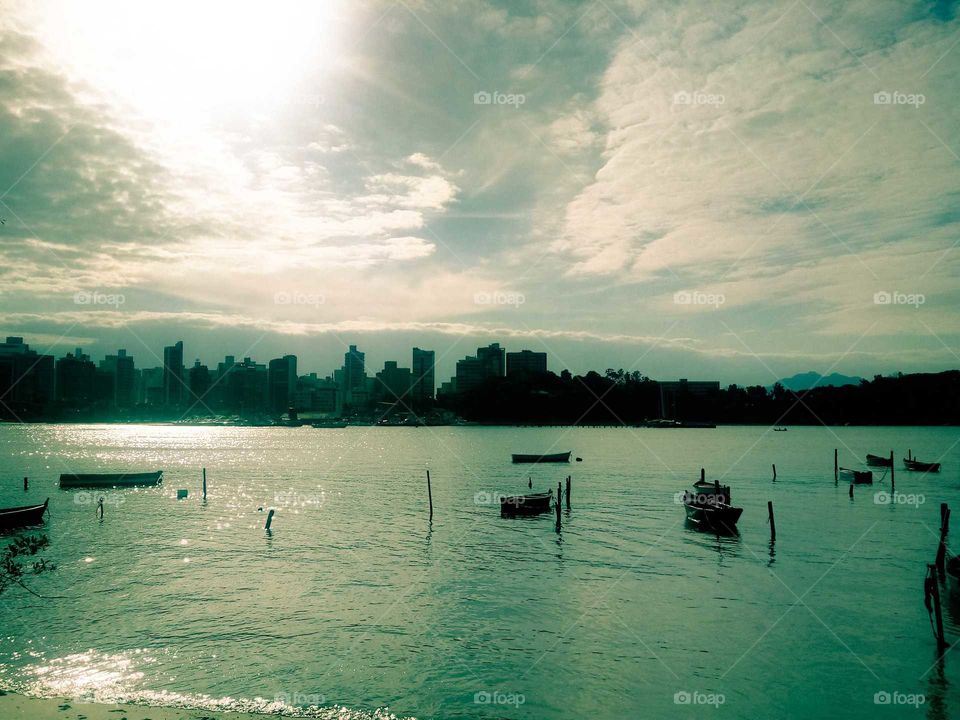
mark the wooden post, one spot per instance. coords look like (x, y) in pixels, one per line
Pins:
(269, 519)
(530, 482)
(773, 524)
(25, 483)
(703, 474)
(430, 494)
(204, 483)
(559, 494)
(568, 492)
(100, 507)
(941, 561)
(891, 472)
(851, 491)
(774, 472)
(909, 454)
(935, 592)
(836, 468)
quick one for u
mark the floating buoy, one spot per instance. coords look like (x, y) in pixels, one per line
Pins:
(182, 493)
(579, 459)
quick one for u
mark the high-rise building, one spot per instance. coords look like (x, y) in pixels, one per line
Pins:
(282, 378)
(526, 361)
(26, 380)
(424, 375)
(198, 380)
(76, 379)
(173, 382)
(492, 360)
(124, 378)
(393, 385)
(353, 368)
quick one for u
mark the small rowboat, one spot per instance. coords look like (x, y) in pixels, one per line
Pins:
(24, 516)
(857, 477)
(878, 461)
(918, 466)
(526, 504)
(111, 479)
(554, 458)
(708, 507)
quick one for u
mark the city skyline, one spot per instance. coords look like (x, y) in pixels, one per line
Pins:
(384, 177)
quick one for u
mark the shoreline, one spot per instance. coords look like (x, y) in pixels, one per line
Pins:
(23, 707)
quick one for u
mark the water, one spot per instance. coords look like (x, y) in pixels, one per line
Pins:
(354, 600)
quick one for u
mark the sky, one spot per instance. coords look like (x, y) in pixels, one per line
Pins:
(732, 190)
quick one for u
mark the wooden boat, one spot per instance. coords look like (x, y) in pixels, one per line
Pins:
(780, 429)
(111, 479)
(918, 466)
(857, 477)
(554, 458)
(533, 504)
(878, 461)
(708, 507)
(17, 517)
(329, 425)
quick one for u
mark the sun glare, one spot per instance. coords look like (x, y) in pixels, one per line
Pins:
(185, 62)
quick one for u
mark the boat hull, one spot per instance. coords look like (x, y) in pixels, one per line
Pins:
(25, 516)
(713, 517)
(916, 466)
(878, 461)
(111, 479)
(525, 504)
(554, 458)
(857, 477)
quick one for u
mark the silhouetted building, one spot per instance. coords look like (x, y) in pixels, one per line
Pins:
(173, 382)
(674, 395)
(151, 386)
(247, 388)
(282, 377)
(123, 392)
(472, 371)
(76, 379)
(492, 360)
(317, 394)
(26, 380)
(393, 385)
(354, 386)
(198, 379)
(526, 361)
(424, 375)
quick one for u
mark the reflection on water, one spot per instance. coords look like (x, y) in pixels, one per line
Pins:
(355, 600)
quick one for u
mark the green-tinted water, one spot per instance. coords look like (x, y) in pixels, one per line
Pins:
(356, 600)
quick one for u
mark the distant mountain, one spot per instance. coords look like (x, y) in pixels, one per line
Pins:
(807, 380)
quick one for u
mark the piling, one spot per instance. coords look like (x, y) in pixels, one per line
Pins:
(269, 519)
(909, 454)
(703, 474)
(891, 471)
(941, 561)
(851, 491)
(430, 494)
(100, 508)
(568, 492)
(204, 483)
(836, 468)
(932, 591)
(25, 483)
(559, 498)
(773, 524)
(774, 472)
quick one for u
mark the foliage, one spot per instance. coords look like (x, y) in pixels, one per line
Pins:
(15, 563)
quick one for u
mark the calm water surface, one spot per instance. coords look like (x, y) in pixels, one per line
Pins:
(356, 600)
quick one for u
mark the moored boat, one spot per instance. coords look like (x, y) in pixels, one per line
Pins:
(708, 507)
(552, 458)
(68, 480)
(23, 516)
(857, 477)
(917, 466)
(879, 461)
(532, 504)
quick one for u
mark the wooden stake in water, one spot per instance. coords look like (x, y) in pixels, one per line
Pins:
(100, 508)
(568, 492)
(25, 483)
(851, 491)
(774, 472)
(836, 468)
(430, 494)
(703, 474)
(773, 524)
(204, 483)
(269, 519)
(934, 590)
(891, 471)
(559, 497)
(941, 561)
